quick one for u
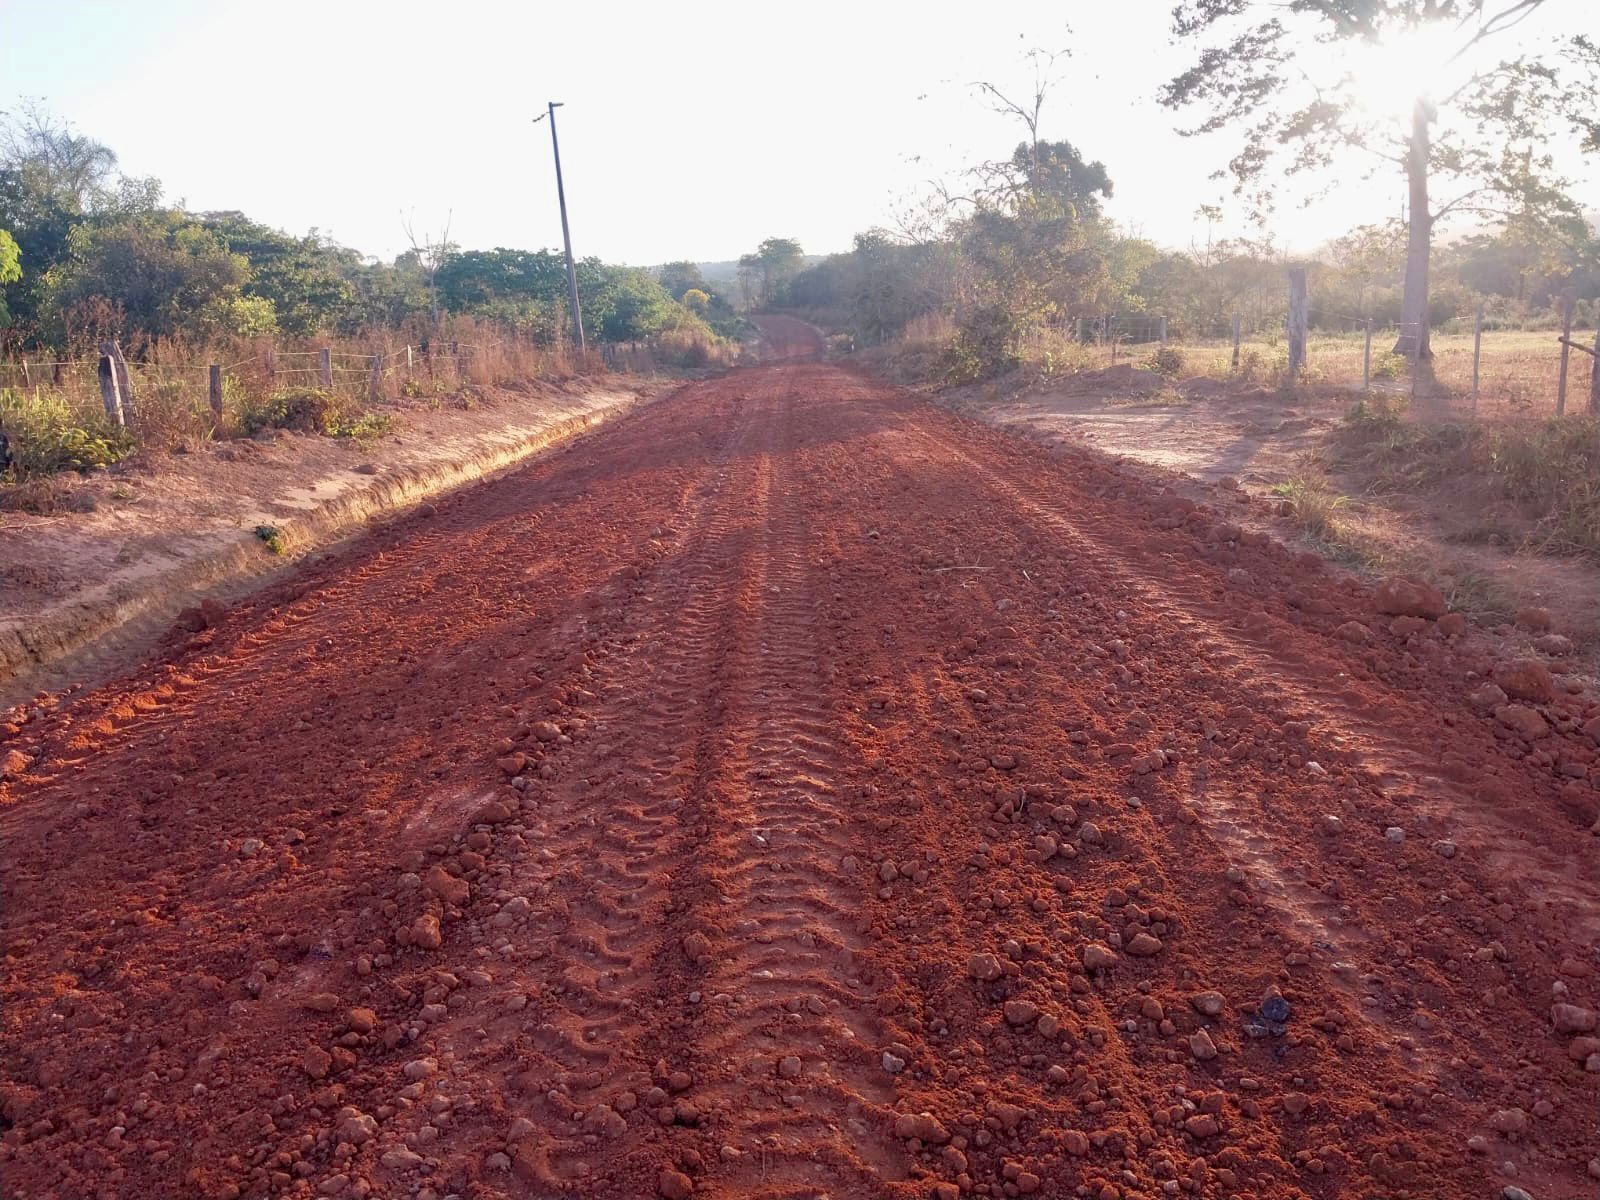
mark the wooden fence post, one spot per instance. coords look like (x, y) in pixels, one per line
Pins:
(408, 360)
(55, 373)
(1477, 354)
(110, 392)
(214, 391)
(26, 382)
(375, 379)
(272, 367)
(1366, 360)
(1594, 377)
(1163, 330)
(112, 349)
(325, 364)
(1566, 353)
(1235, 341)
(1298, 316)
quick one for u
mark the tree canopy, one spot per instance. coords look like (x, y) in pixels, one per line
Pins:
(1308, 90)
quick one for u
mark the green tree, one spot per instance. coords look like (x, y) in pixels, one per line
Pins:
(634, 306)
(1055, 174)
(10, 270)
(166, 272)
(680, 277)
(771, 266)
(304, 279)
(1276, 72)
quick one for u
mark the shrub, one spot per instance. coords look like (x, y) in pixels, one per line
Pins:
(47, 435)
(367, 427)
(1168, 361)
(272, 536)
(1391, 366)
(1311, 504)
(309, 410)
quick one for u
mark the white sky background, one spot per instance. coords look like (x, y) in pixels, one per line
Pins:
(690, 130)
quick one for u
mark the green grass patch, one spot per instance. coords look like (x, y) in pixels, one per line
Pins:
(48, 435)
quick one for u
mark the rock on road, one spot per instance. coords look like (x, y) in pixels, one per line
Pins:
(796, 790)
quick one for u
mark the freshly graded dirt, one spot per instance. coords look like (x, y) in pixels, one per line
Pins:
(796, 790)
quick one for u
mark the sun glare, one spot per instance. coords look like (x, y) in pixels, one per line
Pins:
(1386, 78)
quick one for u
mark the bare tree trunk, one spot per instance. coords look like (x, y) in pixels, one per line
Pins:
(1413, 339)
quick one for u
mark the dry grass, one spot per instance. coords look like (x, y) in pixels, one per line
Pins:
(1546, 469)
(1518, 374)
(1312, 504)
(59, 422)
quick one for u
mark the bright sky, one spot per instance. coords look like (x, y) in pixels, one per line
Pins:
(689, 131)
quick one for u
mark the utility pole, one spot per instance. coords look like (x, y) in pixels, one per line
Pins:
(566, 233)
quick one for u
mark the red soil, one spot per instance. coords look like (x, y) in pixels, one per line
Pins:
(838, 717)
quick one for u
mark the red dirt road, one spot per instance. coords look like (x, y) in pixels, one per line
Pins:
(795, 790)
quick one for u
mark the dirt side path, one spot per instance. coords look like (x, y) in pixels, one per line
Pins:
(95, 578)
(1480, 549)
(798, 790)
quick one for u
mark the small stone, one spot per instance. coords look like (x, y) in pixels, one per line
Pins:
(1209, 1003)
(1444, 848)
(697, 947)
(1486, 697)
(425, 932)
(321, 1002)
(674, 1185)
(420, 1068)
(1075, 1142)
(1021, 1012)
(1295, 1103)
(1354, 631)
(1509, 1120)
(492, 813)
(1394, 834)
(13, 763)
(1580, 1048)
(1526, 679)
(789, 1067)
(985, 968)
(1144, 945)
(892, 1063)
(1098, 957)
(1202, 1125)
(439, 882)
(546, 731)
(1332, 825)
(361, 1020)
(1201, 1045)
(1398, 596)
(1571, 1018)
(925, 1127)
(1553, 644)
(1510, 1192)
(400, 1159)
(1527, 723)
(316, 1062)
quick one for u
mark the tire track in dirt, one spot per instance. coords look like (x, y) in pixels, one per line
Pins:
(791, 1000)
(739, 803)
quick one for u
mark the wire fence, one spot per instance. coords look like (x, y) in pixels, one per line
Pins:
(1471, 370)
(186, 392)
